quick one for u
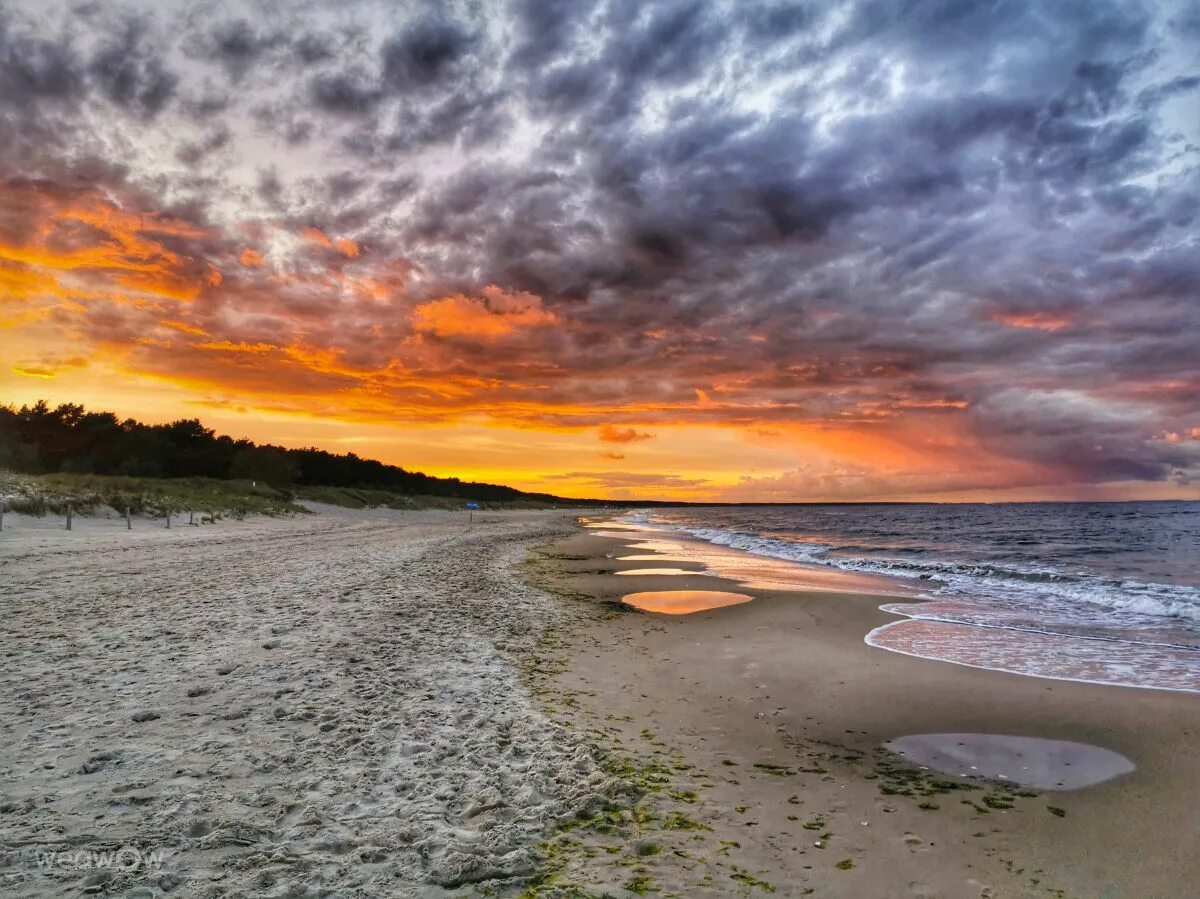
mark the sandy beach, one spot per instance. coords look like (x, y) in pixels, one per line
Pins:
(397, 703)
(324, 705)
(552, 450)
(767, 721)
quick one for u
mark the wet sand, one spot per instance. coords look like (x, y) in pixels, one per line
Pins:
(761, 726)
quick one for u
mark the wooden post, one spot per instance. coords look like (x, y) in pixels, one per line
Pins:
(1, 514)
(69, 516)
(191, 516)
(168, 518)
(128, 520)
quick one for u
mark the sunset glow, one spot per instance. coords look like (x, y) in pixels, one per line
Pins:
(725, 252)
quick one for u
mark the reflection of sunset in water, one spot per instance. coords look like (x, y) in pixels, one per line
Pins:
(651, 571)
(751, 571)
(683, 602)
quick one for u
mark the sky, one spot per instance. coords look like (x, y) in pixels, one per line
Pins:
(740, 251)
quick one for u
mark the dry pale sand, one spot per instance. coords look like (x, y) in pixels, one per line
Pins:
(757, 731)
(330, 705)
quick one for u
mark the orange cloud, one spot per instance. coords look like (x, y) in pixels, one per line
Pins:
(19, 281)
(1036, 321)
(1177, 437)
(48, 368)
(343, 245)
(610, 434)
(496, 314)
(35, 371)
(312, 336)
(183, 327)
(60, 242)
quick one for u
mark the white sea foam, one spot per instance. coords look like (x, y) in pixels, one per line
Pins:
(955, 578)
(1053, 656)
(1065, 622)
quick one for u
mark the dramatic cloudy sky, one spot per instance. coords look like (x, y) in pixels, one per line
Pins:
(740, 250)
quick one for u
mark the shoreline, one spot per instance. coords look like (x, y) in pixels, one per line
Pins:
(787, 682)
(1049, 677)
(413, 704)
(954, 628)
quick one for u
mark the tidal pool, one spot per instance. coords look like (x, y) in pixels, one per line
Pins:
(649, 571)
(1028, 761)
(683, 602)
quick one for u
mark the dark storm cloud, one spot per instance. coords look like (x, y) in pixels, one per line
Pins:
(1095, 442)
(194, 152)
(131, 74)
(33, 69)
(311, 49)
(985, 211)
(42, 82)
(425, 54)
(544, 30)
(350, 92)
(237, 45)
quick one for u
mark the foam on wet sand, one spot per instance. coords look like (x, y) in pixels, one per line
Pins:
(1092, 660)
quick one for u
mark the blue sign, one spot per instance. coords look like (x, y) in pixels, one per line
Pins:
(472, 505)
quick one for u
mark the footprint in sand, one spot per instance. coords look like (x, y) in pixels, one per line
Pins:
(100, 762)
(201, 827)
(915, 843)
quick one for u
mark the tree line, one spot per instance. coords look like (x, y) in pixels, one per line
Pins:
(68, 438)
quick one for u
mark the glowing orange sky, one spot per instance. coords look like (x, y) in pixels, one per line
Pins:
(102, 309)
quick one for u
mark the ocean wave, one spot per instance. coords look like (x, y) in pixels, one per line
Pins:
(1052, 656)
(1028, 591)
(1045, 589)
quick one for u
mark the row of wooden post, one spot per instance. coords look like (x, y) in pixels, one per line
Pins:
(127, 516)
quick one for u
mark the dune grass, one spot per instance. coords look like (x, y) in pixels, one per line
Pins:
(153, 497)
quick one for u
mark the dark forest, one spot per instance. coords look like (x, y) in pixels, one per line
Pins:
(69, 439)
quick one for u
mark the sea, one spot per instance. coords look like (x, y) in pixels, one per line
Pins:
(1096, 592)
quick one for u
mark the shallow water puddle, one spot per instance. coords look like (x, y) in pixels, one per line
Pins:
(1028, 761)
(753, 571)
(610, 525)
(683, 602)
(648, 571)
